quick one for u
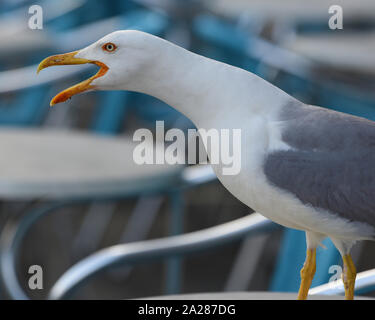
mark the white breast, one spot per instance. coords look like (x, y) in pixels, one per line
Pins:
(250, 186)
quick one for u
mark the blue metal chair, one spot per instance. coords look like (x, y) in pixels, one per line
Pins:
(108, 117)
(238, 44)
(186, 244)
(142, 252)
(112, 106)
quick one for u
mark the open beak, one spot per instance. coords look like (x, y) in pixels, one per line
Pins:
(69, 59)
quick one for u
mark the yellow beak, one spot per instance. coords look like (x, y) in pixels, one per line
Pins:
(69, 59)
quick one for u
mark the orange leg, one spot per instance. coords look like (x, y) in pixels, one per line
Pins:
(307, 274)
(348, 277)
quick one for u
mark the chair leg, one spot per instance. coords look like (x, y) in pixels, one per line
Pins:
(92, 230)
(246, 264)
(11, 238)
(174, 265)
(138, 226)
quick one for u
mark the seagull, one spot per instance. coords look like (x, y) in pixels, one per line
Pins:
(302, 166)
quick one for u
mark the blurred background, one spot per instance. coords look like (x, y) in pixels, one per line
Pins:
(55, 210)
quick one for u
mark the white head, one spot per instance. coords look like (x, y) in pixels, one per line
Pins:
(124, 58)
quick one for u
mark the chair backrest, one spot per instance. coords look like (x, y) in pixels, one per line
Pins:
(29, 105)
(27, 109)
(348, 100)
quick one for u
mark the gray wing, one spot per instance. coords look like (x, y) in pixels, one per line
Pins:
(331, 164)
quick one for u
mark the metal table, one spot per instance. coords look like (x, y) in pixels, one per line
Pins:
(63, 168)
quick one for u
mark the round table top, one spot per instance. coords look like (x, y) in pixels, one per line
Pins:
(291, 10)
(253, 295)
(346, 51)
(44, 163)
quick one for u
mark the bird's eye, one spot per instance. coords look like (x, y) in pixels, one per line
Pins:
(109, 47)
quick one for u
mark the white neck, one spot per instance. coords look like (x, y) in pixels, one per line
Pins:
(206, 90)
